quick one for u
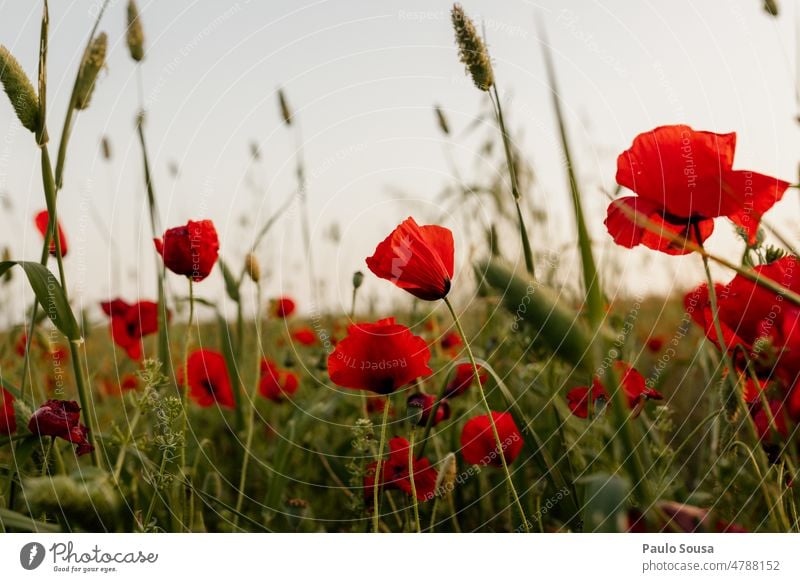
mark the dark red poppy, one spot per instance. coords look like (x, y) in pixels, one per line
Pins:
(684, 179)
(752, 328)
(130, 323)
(395, 473)
(380, 357)
(766, 428)
(421, 406)
(41, 220)
(463, 379)
(8, 418)
(655, 343)
(376, 405)
(208, 380)
(578, 399)
(478, 444)
(58, 353)
(633, 385)
(117, 387)
(282, 307)
(416, 258)
(190, 250)
(304, 336)
(61, 418)
(276, 385)
(451, 341)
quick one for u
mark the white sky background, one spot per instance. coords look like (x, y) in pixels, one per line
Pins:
(362, 78)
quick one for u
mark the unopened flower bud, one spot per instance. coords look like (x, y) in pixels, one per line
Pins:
(358, 279)
(252, 267)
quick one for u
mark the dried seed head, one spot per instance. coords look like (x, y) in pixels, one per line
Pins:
(135, 33)
(255, 151)
(252, 267)
(471, 49)
(105, 148)
(443, 125)
(771, 7)
(286, 113)
(93, 61)
(19, 90)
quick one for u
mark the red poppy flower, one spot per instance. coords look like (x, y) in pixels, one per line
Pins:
(208, 380)
(750, 322)
(765, 428)
(305, 336)
(130, 323)
(282, 307)
(683, 180)
(578, 399)
(478, 444)
(112, 387)
(655, 343)
(451, 341)
(8, 418)
(633, 385)
(190, 250)
(462, 380)
(58, 353)
(424, 404)
(61, 418)
(276, 385)
(395, 473)
(380, 357)
(416, 258)
(41, 221)
(376, 405)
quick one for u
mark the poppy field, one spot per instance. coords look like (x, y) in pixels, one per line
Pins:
(479, 393)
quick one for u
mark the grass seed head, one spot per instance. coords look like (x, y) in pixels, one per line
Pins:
(442, 120)
(771, 7)
(471, 49)
(19, 90)
(135, 32)
(93, 62)
(286, 113)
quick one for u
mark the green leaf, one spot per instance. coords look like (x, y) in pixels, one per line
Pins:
(50, 296)
(606, 503)
(231, 284)
(14, 520)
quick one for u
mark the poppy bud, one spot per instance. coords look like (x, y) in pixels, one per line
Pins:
(135, 35)
(9, 275)
(19, 90)
(471, 49)
(358, 279)
(252, 267)
(296, 512)
(286, 113)
(93, 61)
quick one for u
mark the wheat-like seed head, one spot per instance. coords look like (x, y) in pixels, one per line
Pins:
(135, 32)
(471, 49)
(286, 113)
(19, 89)
(94, 60)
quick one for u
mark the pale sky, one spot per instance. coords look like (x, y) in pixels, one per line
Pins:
(362, 78)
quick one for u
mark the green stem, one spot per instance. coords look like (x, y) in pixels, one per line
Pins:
(376, 518)
(411, 478)
(497, 440)
(251, 413)
(523, 231)
(185, 387)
